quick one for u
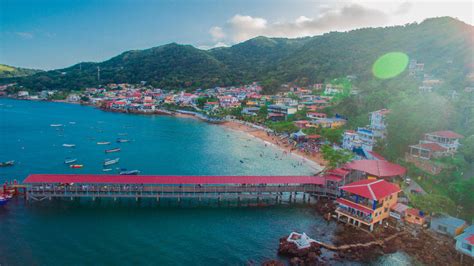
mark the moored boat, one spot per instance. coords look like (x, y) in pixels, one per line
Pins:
(56, 125)
(3, 200)
(131, 172)
(76, 166)
(7, 163)
(69, 145)
(103, 143)
(106, 169)
(122, 140)
(111, 161)
(70, 160)
(112, 150)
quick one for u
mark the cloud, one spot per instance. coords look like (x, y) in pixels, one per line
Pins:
(240, 27)
(25, 35)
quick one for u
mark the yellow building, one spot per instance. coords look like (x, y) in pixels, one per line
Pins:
(366, 202)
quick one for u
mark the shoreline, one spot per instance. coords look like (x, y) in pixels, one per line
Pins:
(316, 161)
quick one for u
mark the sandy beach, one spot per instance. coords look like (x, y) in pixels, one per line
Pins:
(316, 161)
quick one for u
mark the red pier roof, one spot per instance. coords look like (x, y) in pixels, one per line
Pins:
(169, 180)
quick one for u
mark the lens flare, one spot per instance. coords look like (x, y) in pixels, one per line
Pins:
(390, 65)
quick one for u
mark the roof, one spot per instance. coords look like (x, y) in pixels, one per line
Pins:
(376, 155)
(354, 205)
(432, 146)
(399, 207)
(168, 179)
(446, 134)
(371, 188)
(332, 177)
(448, 220)
(379, 168)
(467, 235)
(415, 212)
(339, 171)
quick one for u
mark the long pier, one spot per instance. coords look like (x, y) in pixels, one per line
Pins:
(279, 188)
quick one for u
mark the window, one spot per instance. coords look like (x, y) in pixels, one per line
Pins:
(442, 228)
(466, 246)
(385, 210)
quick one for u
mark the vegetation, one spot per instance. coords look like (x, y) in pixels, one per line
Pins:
(11, 72)
(335, 158)
(273, 61)
(283, 127)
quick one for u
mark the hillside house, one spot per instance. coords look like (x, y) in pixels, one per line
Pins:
(465, 241)
(447, 225)
(316, 115)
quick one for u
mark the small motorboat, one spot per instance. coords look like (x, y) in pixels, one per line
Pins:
(69, 145)
(103, 143)
(111, 161)
(75, 166)
(7, 163)
(106, 169)
(131, 172)
(112, 150)
(56, 125)
(122, 140)
(70, 160)
(3, 200)
(72, 123)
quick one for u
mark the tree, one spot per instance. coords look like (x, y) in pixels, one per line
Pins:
(335, 158)
(283, 127)
(467, 149)
(413, 116)
(433, 203)
(263, 111)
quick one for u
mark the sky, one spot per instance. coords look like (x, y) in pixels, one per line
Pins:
(51, 34)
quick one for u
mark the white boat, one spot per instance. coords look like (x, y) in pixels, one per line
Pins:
(131, 172)
(70, 160)
(111, 161)
(103, 143)
(56, 125)
(122, 140)
(69, 145)
(106, 169)
(72, 123)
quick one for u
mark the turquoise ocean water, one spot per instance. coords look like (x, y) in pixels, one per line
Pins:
(127, 232)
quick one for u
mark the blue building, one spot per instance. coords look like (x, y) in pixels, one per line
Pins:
(447, 225)
(465, 241)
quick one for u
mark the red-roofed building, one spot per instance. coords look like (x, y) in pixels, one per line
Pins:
(447, 139)
(376, 168)
(415, 216)
(366, 202)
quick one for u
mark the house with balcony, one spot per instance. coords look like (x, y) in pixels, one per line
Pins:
(445, 138)
(366, 202)
(277, 112)
(378, 122)
(316, 115)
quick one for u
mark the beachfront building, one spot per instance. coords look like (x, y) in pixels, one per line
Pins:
(277, 112)
(366, 202)
(375, 169)
(334, 122)
(465, 241)
(448, 225)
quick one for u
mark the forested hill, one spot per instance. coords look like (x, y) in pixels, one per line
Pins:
(275, 60)
(11, 72)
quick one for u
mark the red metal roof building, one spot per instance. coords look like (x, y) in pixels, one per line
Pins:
(378, 168)
(371, 189)
(169, 180)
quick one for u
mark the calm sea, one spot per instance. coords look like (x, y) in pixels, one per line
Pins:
(130, 233)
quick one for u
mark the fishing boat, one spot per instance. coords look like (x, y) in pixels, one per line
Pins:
(106, 169)
(69, 145)
(131, 172)
(70, 160)
(111, 161)
(103, 143)
(75, 166)
(122, 140)
(112, 150)
(7, 163)
(56, 125)
(3, 200)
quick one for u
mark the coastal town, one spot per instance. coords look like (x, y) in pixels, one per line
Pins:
(365, 190)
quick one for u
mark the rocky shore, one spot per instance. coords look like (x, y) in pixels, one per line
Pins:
(352, 244)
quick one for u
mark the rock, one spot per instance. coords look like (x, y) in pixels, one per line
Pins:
(273, 263)
(296, 261)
